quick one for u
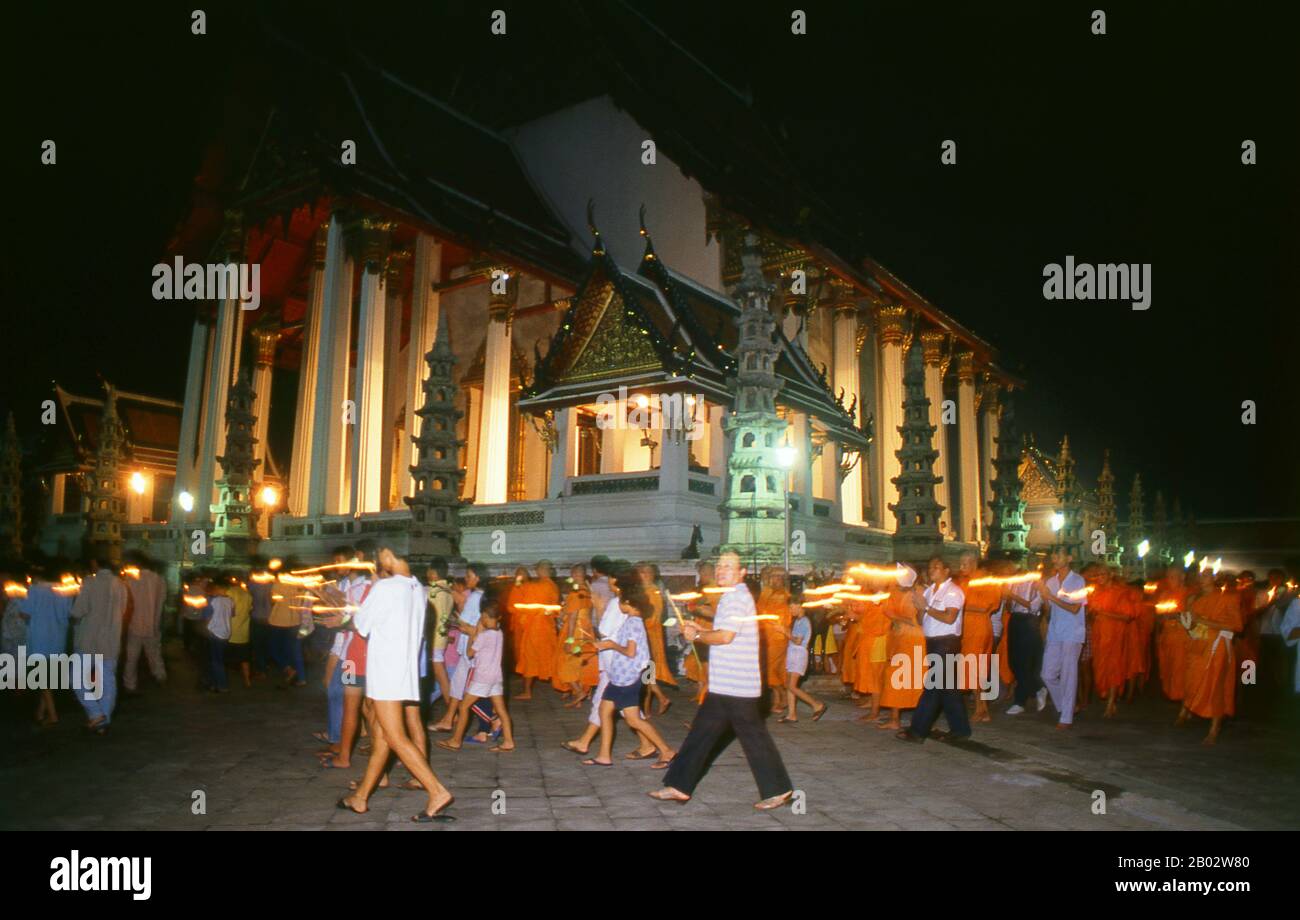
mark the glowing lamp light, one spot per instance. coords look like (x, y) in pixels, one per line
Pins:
(269, 496)
(137, 483)
(643, 401)
(1058, 520)
(1143, 548)
(1189, 558)
(786, 455)
(186, 501)
(1218, 564)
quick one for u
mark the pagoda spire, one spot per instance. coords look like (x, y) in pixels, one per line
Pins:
(437, 473)
(1071, 534)
(1008, 531)
(107, 506)
(753, 513)
(917, 511)
(1160, 531)
(1107, 522)
(1135, 565)
(11, 494)
(234, 531)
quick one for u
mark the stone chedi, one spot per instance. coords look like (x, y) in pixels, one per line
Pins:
(1008, 530)
(753, 513)
(1071, 533)
(437, 474)
(107, 505)
(234, 517)
(917, 511)
(1107, 521)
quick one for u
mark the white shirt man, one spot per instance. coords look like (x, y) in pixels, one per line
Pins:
(392, 620)
(1067, 595)
(943, 597)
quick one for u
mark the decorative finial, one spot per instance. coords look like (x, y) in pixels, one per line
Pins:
(597, 245)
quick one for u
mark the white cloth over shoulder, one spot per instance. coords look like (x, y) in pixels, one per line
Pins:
(392, 618)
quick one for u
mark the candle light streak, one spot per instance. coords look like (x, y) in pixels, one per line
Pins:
(1004, 580)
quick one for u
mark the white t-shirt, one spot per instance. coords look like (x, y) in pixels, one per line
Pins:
(223, 608)
(943, 597)
(1065, 626)
(392, 618)
(733, 668)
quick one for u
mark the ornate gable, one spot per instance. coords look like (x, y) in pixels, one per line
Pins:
(606, 336)
(1038, 487)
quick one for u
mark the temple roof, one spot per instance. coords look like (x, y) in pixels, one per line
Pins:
(658, 330)
(152, 427)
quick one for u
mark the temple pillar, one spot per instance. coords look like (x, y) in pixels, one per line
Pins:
(398, 448)
(219, 377)
(969, 521)
(889, 410)
(325, 476)
(425, 307)
(990, 412)
(304, 416)
(368, 385)
(266, 341)
(494, 430)
(847, 382)
(565, 452)
(935, 366)
(193, 408)
(674, 449)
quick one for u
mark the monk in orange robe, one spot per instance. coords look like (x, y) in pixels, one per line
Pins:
(538, 644)
(1172, 639)
(516, 620)
(701, 611)
(1113, 609)
(982, 601)
(872, 660)
(1211, 666)
(773, 634)
(648, 573)
(905, 650)
(576, 668)
(1253, 603)
(850, 615)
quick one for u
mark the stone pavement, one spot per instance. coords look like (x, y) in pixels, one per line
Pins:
(249, 752)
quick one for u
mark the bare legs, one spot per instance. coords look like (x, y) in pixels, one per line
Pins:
(388, 735)
(795, 695)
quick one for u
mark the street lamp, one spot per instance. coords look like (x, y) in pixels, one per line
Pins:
(1058, 521)
(1143, 548)
(137, 483)
(785, 457)
(186, 501)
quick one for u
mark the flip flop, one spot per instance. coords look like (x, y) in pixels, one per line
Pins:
(445, 746)
(342, 805)
(821, 712)
(439, 818)
(572, 748)
(634, 755)
(592, 762)
(775, 802)
(501, 750)
(676, 800)
(660, 765)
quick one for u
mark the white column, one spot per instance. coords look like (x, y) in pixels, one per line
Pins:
(969, 524)
(494, 431)
(304, 416)
(368, 392)
(566, 448)
(889, 411)
(325, 477)
(396, 444)
(989, 411)
(846, 380)
(932, 351)
(186, 449)
(266, 341)
(214, 436)
(425, 306)
(674, 449)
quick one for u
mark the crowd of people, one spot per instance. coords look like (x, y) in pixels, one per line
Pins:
(407, 659)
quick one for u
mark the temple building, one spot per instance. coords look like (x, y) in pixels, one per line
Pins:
(593, 298)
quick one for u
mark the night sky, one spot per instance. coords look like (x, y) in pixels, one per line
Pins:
(1117, 148)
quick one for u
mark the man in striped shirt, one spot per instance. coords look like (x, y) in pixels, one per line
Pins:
(730, 708)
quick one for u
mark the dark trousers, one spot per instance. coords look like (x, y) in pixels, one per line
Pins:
(261, 636)
(949, 699)
(217, 664)
(286, 649)
(721, 719)
(1025, 645)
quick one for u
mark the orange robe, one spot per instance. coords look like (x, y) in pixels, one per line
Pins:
(516, 620)
(1135, 637)
(1211, 677)
(773, 635)
(696, 669)
(852, 641)
(538, 643)
(872, 662)
(1146, 627)
(977, 628)
(902, 690)
(654, 627)
(575, 662)
(1172, 644)
(1246, 644)
(1110, 636)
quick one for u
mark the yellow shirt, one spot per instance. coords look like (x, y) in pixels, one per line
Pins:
(243, 602)
(283, 615)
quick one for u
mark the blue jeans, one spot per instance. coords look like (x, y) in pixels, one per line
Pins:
(217, 663)
(334, 697)
(286, 648)
(106, 689)
(947, 699)
(261, 636)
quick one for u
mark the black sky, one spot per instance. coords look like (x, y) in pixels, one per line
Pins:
(1123, 147)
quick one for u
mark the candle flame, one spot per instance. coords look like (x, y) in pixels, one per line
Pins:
(1005, 580)
(13, 589)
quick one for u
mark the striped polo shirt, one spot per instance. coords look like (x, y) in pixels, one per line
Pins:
(733, 668)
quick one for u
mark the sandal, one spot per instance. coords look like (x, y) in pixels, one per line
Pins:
(666, 795)
(661, 764)
(593, 762)
(636, 755)
(572, 748)
(821, 712)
